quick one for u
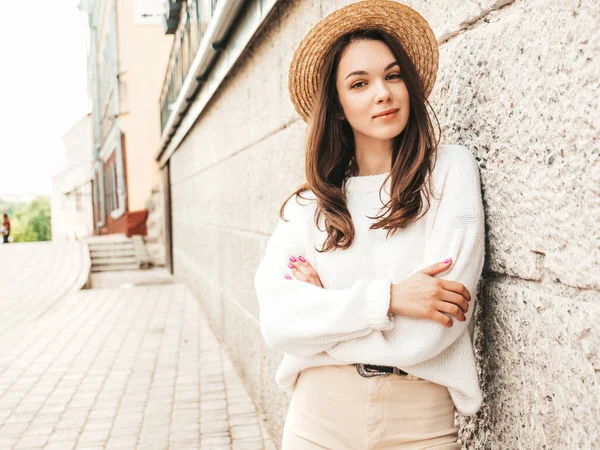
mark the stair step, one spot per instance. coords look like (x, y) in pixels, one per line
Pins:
(107, 238)
(115, 267)
(104, 247)
(129, 252)
(111, 245)
(114, 250)
(115, 260)
(109, 253)
(117, 252)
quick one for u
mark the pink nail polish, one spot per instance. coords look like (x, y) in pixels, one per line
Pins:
(448, 260)
(290, 265)
(301, 259)
(292, 259)
(288, 277)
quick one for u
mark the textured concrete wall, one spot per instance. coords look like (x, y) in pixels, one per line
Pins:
(518, 84)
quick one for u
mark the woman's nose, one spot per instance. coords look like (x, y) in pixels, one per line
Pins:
(383, 93)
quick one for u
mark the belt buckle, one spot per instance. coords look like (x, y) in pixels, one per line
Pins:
(369, 373)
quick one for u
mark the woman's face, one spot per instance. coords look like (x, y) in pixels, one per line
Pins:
(369, 82)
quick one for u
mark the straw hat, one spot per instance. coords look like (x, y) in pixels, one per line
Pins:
(405, 23)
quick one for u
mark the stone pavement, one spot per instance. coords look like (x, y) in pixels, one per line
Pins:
(130, 278)
(133, 368)
(34, 276)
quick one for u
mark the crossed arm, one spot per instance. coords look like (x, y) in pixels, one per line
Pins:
(301, 318)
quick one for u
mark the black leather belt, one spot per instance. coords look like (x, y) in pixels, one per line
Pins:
(370, 370)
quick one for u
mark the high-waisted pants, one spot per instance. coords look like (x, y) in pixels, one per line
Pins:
(334, 408)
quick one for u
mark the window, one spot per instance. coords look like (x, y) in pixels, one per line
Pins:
(99, 189)
(111, 198)
(115, 184)
(78, 205)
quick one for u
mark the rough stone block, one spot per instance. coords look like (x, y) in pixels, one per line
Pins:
(538, 350)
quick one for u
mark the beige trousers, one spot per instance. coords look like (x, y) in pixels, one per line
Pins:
(334, 408)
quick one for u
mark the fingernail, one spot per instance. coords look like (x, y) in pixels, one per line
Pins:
(290, 265)
(292, 259)
(448, 260)
(301, 259)
(288, 277)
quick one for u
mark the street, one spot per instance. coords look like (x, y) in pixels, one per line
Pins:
(135, 367)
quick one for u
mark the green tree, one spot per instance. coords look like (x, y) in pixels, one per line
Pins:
(33, 222)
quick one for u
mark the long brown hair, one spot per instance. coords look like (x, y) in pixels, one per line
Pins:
(330, 152)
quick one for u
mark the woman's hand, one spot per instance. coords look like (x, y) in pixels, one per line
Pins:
(425, 297)
(303, 271)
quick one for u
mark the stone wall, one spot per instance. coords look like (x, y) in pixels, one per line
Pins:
(517, 84)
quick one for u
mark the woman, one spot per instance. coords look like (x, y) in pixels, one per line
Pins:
(5, 229)
(368, 283)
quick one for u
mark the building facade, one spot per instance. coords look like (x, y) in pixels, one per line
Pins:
(128, 55)
(72, 212)
(515, 85)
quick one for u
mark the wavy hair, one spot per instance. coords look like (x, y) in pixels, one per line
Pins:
(330, 152)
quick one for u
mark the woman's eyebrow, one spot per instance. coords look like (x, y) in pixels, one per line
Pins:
(362, 72)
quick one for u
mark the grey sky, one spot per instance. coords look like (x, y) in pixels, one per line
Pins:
(44, 89)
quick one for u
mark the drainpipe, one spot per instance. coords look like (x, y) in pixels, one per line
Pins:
(97, 166)
(120, 164)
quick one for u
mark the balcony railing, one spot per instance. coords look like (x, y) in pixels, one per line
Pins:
(172, 15)
(194, 20)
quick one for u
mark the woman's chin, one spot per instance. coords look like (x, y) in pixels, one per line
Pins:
(387, 134)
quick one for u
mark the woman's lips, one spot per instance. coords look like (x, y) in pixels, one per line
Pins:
(388, 116)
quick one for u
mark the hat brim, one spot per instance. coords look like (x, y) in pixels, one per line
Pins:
(411, 29)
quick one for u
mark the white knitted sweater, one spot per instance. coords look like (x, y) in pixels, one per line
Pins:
(347, 320)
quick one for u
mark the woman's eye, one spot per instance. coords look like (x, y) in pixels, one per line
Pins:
(394, 75)
(357, 85)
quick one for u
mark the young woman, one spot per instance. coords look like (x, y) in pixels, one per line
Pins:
(368, 283)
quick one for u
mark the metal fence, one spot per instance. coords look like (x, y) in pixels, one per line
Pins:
(194, 20)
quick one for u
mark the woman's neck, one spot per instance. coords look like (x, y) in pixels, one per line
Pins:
(373, 156)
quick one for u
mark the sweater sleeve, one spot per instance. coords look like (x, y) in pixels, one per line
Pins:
(457, 232)
(303, 319)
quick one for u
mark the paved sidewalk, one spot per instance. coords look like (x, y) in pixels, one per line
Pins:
(131, 278)
(135, 368)
(35, 276)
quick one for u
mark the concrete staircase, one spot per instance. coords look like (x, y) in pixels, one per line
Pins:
(117, 252)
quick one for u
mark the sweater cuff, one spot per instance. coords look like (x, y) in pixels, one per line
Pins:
(378, 305)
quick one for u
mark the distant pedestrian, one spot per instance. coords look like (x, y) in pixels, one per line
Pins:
(6, 228)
